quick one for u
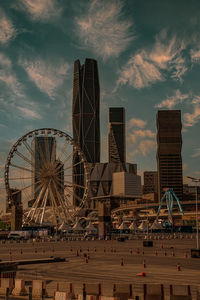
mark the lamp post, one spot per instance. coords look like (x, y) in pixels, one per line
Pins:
(196, 196)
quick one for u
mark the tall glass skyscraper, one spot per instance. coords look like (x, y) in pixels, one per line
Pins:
(85, 116)
(116, 135)
(169, 145)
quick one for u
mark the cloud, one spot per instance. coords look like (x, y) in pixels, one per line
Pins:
(29, 113)
(46, 76)
(40, 10)
(149, 66)
(191, 119)
(146, 145)
(139, 72)
(196, 153)
(138, 134)
(185, 166)
(7, 30)
(103, 29)
(170, 102)
(8, 77)
(136, 123)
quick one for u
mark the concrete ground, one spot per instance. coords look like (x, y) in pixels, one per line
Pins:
(104, 265)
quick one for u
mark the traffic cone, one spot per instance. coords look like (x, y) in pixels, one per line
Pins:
(77, 254)
(156, 253)
(71, 249)
(80, 250)
(144, 264)
(21, 251)
(161, 246)
(131, 251)
(165, 254)
(142, 274)
(173, 253)
(137, 251)
(95, 250)
(122, 262)
(88, 249)
(143, 252)
(178, 267)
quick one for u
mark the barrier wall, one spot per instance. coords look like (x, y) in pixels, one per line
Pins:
(4, 284)
(37, 288)
(153, 291)
(19, 289)
(180, 292)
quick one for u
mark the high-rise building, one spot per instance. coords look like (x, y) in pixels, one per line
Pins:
(169, 145)
(116, 135)
(85, 118)
(43, 156)
(150, 182)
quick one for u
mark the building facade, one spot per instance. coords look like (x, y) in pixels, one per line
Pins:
(150, 182)
(116, 135)
(85, 118)
(169, 145)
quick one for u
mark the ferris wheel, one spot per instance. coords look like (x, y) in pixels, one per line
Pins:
(46, 172)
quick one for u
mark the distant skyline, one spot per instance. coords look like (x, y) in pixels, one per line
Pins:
(148, 55)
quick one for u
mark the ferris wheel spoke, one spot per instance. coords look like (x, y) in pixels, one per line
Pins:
(53, 153)
(22, 178)
(29, 149)
(21, 168)
(63, 149)
(61, 200)
(54, 203)
(37, 201)
(75, 184)
(74, 194)
(44, 203)
(24, 158)
(66, 159)
(46, 143)
(40, 152)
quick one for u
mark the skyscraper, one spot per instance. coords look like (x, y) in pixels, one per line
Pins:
(116, 135)
(169, 145)
(85, 117)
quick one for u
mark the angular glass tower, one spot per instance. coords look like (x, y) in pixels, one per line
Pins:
(169, 145)
(116, 135)
(85, 116)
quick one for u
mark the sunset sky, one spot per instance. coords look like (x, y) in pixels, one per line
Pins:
(148, 55)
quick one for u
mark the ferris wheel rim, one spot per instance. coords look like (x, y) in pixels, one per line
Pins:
(35, 133)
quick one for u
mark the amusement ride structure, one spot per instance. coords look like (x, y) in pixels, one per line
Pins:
(40, 171)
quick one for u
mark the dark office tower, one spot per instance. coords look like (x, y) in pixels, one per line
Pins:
(85, 115)
(116, 135)
(169, 144)
(43, 156)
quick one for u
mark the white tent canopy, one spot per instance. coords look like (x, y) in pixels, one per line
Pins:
(65, 227)
(133, 226)
(156, 225)
(123, 226)
(143, 226)
(90, 227)
(77, 227)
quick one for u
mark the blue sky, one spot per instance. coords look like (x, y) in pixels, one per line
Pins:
(148, 55)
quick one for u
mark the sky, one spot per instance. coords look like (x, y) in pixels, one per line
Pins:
(148, 55)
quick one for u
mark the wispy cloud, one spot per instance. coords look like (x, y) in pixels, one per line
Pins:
(104, 29)
(191, 119)
(148, 66)
(46, 75)
(40, 10)
(196, 153)
(136, 123)
(7, 29)
(170, 102)
(146, 146)
(29, 113)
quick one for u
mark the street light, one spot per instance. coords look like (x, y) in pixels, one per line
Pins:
(197, 225)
